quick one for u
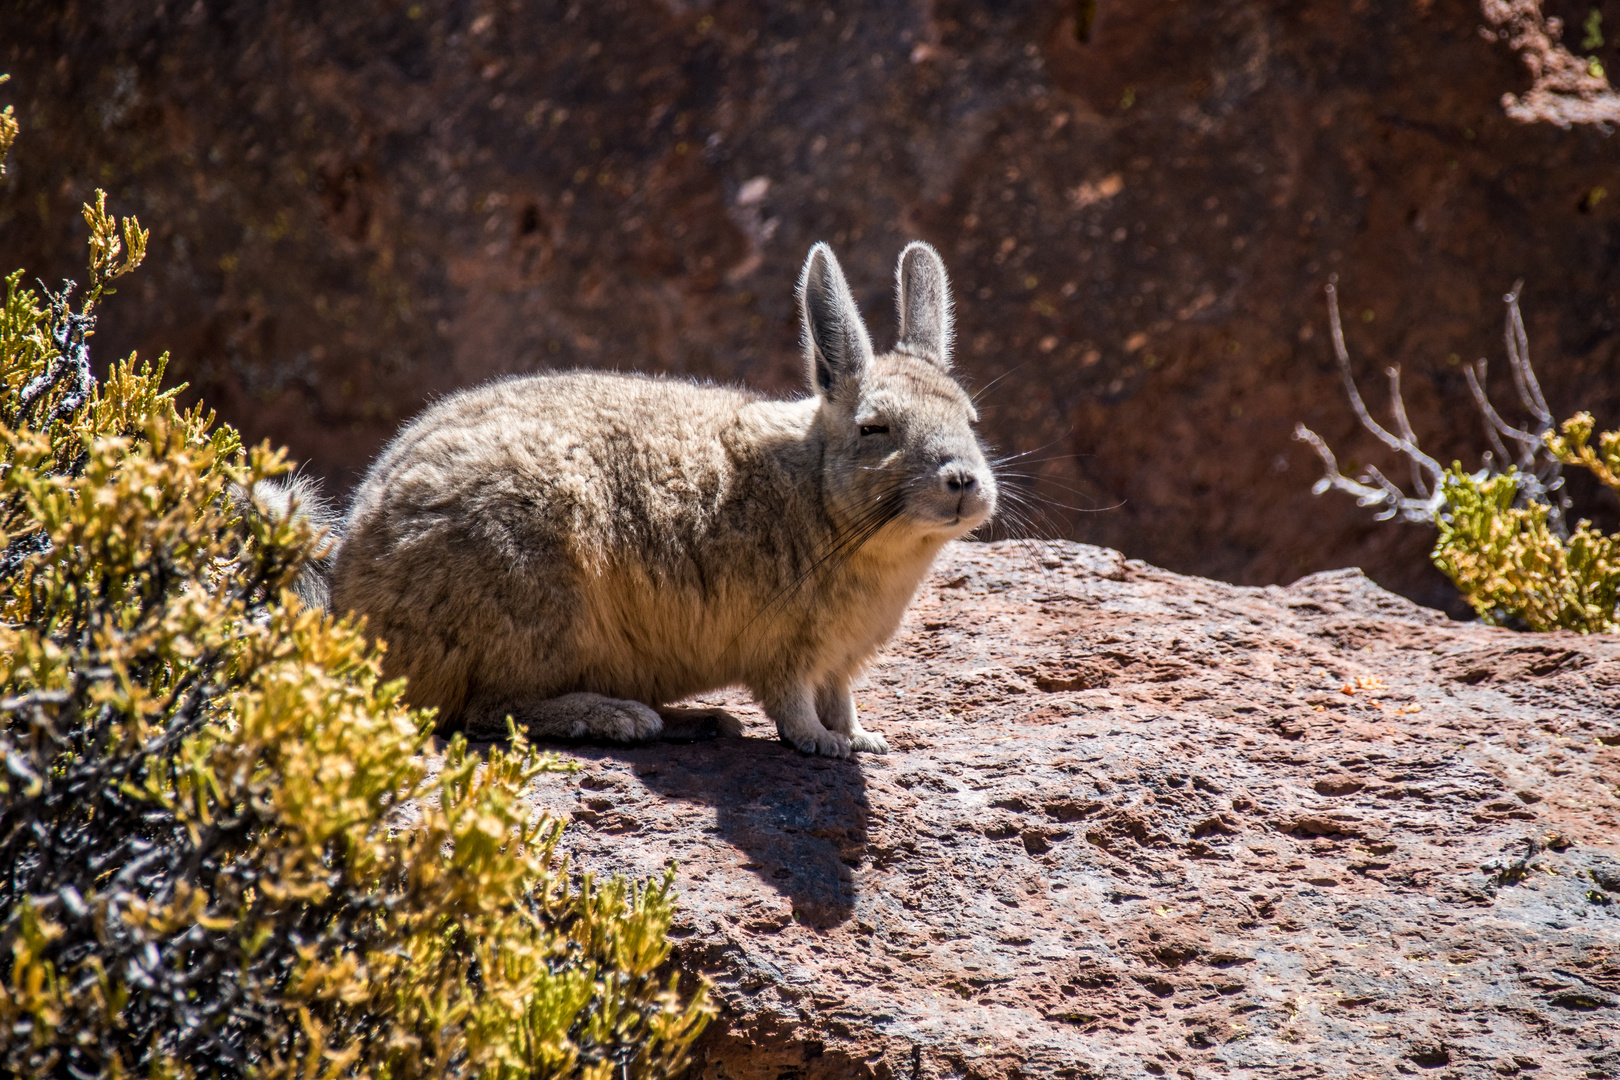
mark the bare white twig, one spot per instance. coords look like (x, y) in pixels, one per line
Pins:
(1495, 426)
(1396, 443)
(1386, 496)
(1404, 426)
(1518, 346)
(1535, 471)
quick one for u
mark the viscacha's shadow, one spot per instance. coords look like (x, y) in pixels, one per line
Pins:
(800, 820)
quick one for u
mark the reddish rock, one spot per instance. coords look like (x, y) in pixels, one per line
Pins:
(356, 206)
(1136, 823)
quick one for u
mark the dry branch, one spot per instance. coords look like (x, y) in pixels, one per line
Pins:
(1534, 468)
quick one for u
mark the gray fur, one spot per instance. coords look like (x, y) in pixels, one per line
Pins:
(578, 550)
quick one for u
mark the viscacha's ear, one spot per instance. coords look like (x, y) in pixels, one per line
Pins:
(836, 346)
(923, 295)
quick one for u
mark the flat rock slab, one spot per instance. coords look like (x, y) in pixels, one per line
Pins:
(1139, 824)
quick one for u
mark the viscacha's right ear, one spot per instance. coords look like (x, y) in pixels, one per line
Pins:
(836, 346)
(923, 295)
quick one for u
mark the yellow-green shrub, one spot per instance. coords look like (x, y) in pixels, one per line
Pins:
(1508, 562)
(223, 849)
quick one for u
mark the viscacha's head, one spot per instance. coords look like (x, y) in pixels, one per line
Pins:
(898, 429)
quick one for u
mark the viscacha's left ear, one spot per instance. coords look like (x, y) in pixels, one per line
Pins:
(837, 348)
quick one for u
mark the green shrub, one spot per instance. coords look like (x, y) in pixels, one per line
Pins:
(223, 850)
(1512, 565)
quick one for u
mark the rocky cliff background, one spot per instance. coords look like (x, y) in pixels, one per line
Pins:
(356, 207)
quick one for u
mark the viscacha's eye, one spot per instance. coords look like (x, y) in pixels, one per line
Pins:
(874, 429)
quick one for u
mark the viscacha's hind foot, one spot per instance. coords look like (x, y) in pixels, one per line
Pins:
(572, 716)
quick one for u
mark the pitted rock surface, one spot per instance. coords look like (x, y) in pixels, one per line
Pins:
(1139, 824)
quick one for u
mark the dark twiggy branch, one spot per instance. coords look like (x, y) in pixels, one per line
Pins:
(70, 371)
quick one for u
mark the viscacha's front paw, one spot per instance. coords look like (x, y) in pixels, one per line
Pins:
(823, 742)
(868, 743)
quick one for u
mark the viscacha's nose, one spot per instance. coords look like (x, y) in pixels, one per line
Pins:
(958, 479)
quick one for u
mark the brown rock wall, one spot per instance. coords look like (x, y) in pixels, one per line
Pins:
(357, 206)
